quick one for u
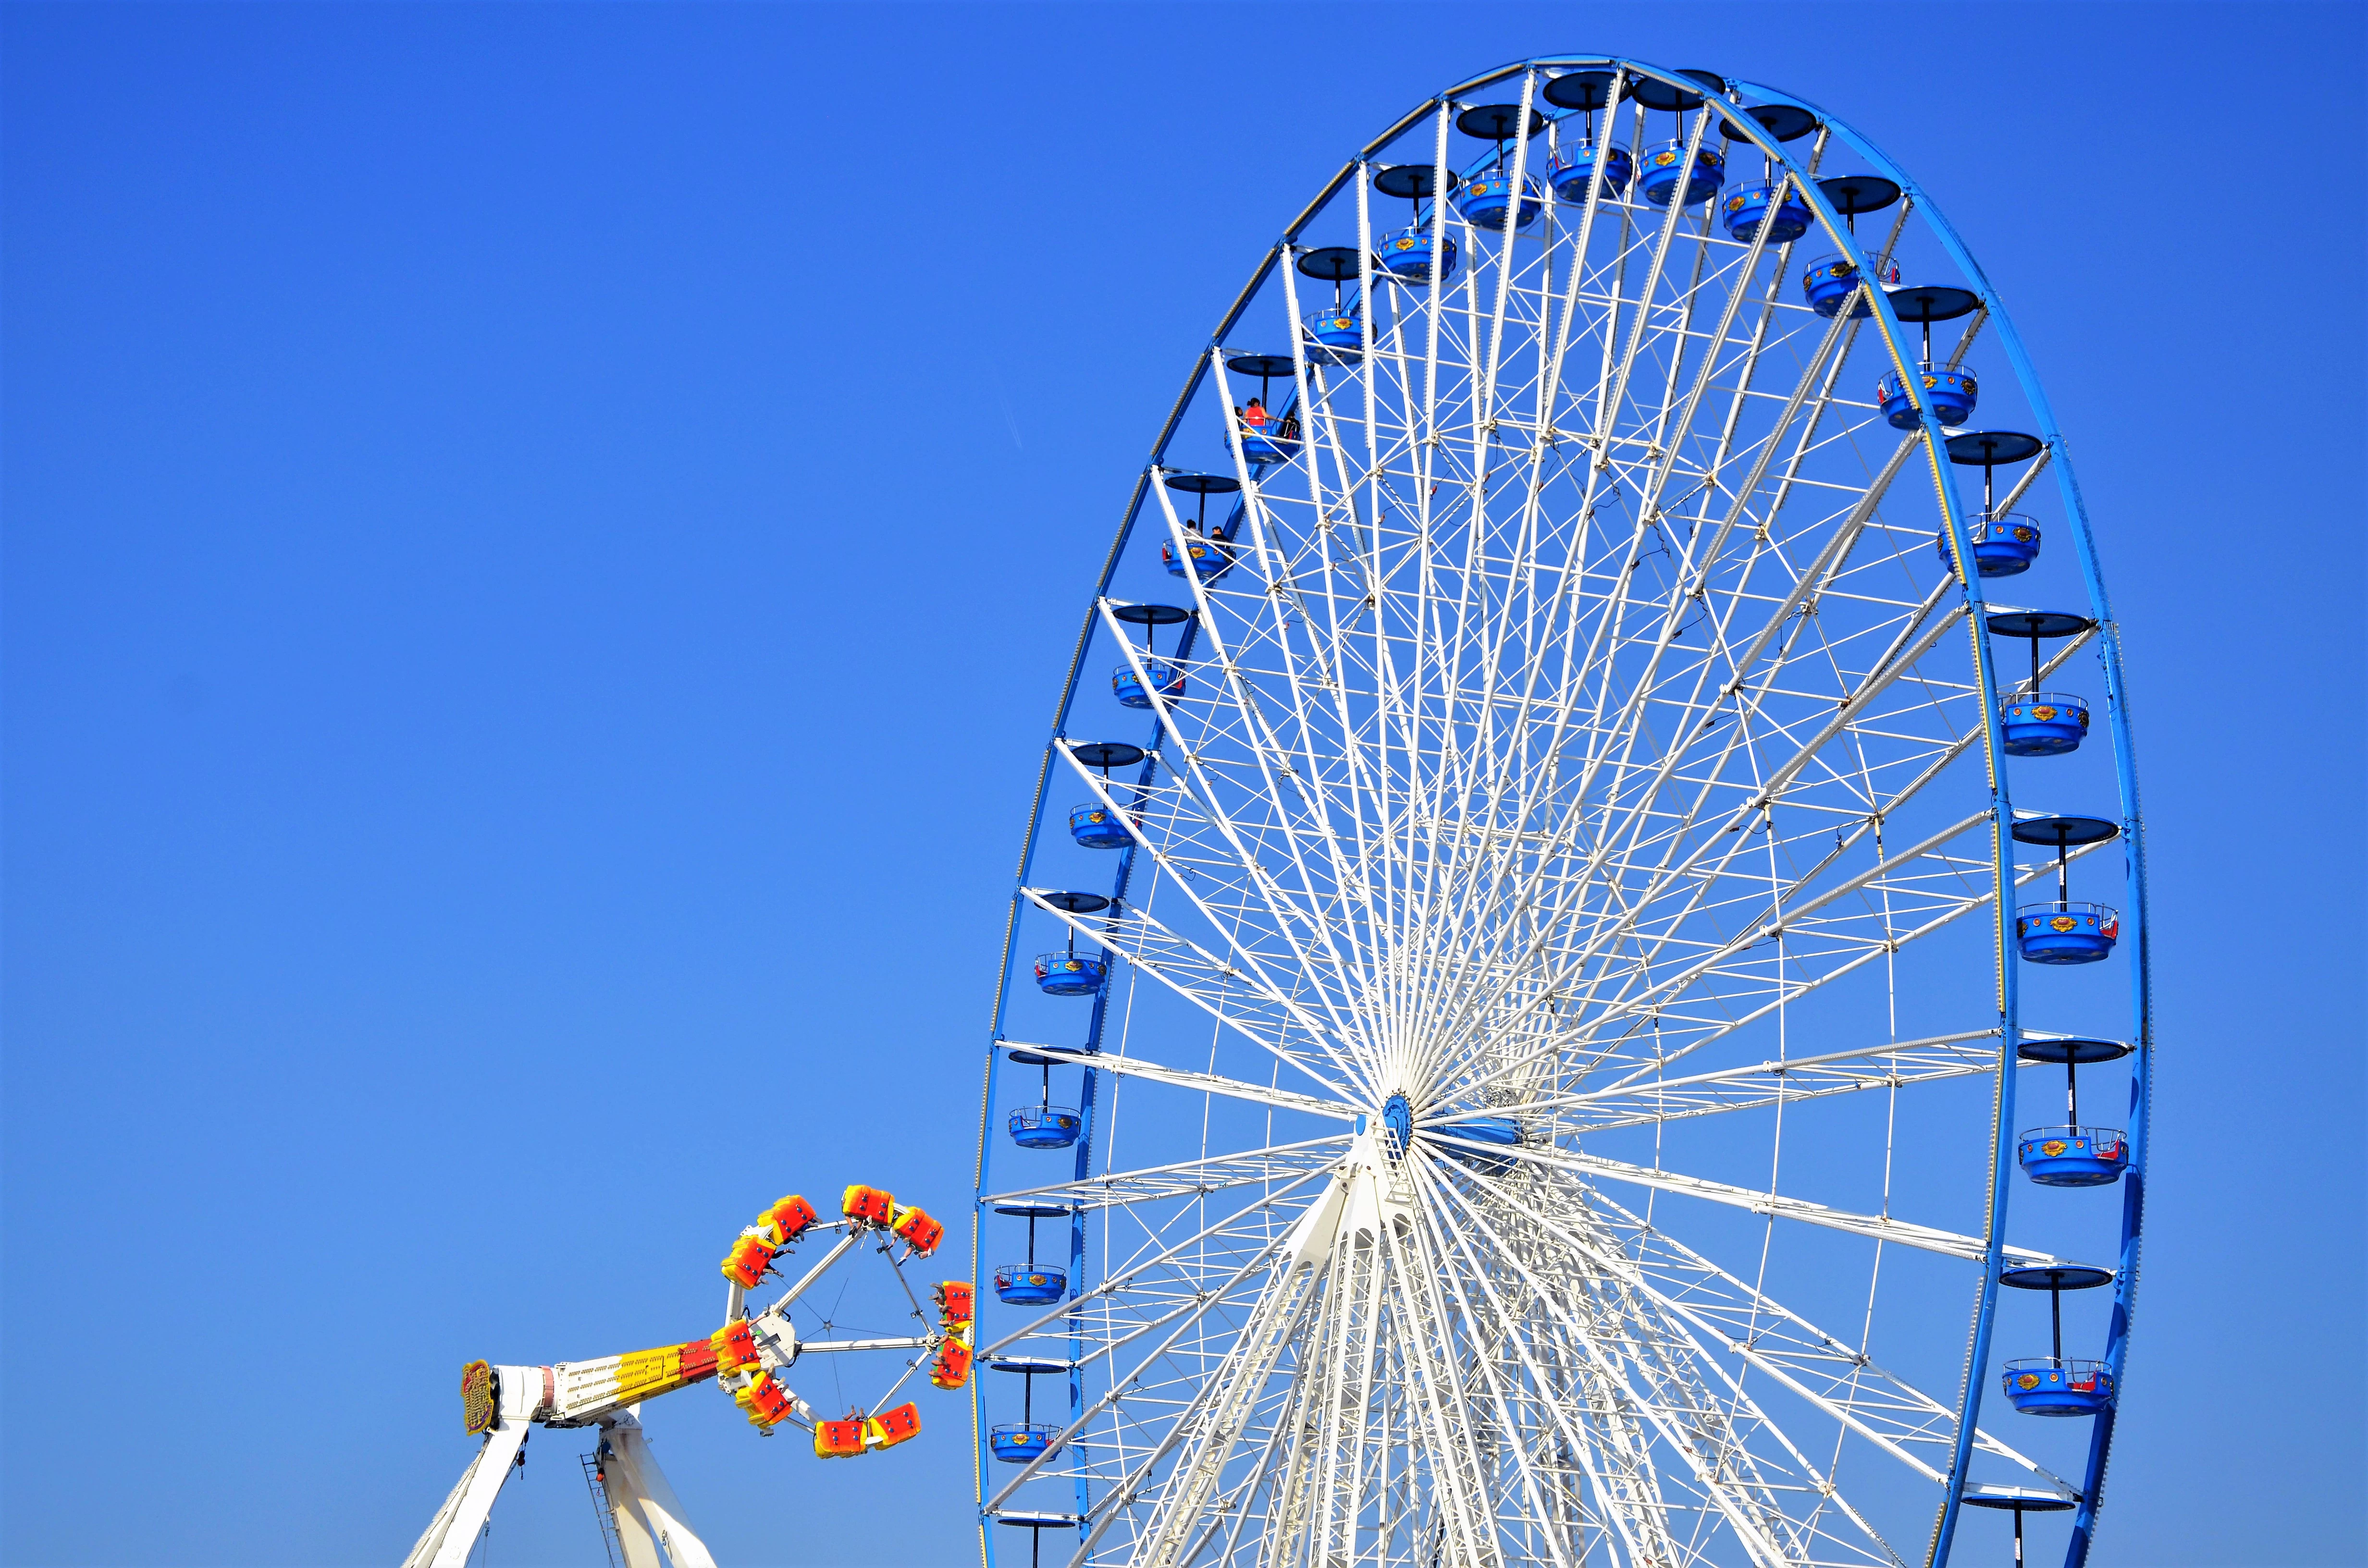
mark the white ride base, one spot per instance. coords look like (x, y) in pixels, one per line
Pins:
(649, 1519)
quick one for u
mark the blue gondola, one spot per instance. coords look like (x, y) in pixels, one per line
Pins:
(1336, 334)
(1747, 207)
(2004, 542)
(1658, 179)
(1070, 974)
(2002, 546)
(1573, 165)
(2072, 1156)
(1830, 280)
(1953, 394)
(1030, 1284)
(2035, 722)
(1264, 444)
(1204, 547)
(1484, 198)
(2067, 932)
(1406, 255)
(1095, 826)
(1166, 680)
(1266, 435)
(2043, 724)
(2051, 1385)
(2043, 1386)
(1209, 557)
(1016, 1442)
(1501, 1130)
(1044, 1126)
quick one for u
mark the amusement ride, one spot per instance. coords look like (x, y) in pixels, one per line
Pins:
(641, 1520)
(1592, 803)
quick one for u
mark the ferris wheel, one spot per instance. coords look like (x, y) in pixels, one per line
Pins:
(1590, 829)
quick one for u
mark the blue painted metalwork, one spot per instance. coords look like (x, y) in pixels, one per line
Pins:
(1500, 1130)
(1397, 1121)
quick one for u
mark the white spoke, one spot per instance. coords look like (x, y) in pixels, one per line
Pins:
(1948, 1243)
(1764, 1084)
(1185, 1078)
(1190, 1176)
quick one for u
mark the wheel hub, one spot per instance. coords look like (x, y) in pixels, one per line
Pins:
(1397, 1126)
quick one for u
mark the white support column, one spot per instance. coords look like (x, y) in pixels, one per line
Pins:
(423, 1552)
(649, 1515)
(453, 1533)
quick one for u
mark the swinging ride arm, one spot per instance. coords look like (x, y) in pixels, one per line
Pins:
(503, 1404)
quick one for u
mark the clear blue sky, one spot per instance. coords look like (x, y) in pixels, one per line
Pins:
(541, 547)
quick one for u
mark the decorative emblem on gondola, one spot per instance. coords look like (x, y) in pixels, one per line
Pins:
(2052, 1148)
(2043, 713)
(2064, 922)
(2028, 1382)
(481, 1400)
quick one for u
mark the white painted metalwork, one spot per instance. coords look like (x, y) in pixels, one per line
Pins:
(1588, 746)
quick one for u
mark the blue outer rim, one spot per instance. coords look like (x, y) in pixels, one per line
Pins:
(2137, 936)
(2138, 933)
